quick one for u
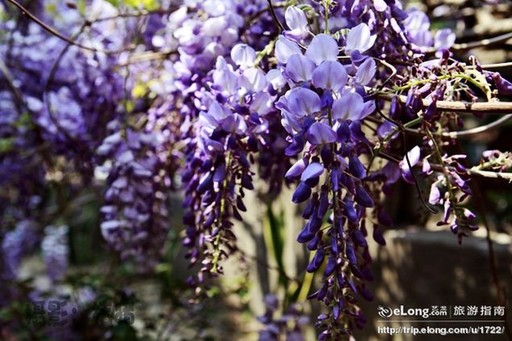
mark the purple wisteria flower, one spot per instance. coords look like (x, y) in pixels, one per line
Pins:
(299, 68)
(410, 160)
(297, 23)
(350, 106)
(306, 112)
(285, 48)
(16, 244)
(418, 28)
(321, 112)
(503, 85)
(234, 123)
(359, 39)
(243, 55)
(417, 25)
(444, 39)
(55, 247)
(322, 48)
(135, 212)
(450, 189)
(330, 75)
(289, 324)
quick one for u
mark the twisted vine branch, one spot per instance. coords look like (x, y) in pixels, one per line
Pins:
(459, 106)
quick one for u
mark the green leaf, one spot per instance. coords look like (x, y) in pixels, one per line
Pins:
(139, 90)
(124, 332)
(6, 145)
(276, 226)
(146, 4)
(23, 121)
(114, 3)
(82, 6)
(479, 80)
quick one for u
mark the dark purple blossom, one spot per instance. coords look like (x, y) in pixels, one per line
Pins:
(503, 86)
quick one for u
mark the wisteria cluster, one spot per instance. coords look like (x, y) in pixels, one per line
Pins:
(338, 99)
(289, 325)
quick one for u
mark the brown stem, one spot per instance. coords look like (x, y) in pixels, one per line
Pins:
(274, 16)
(479, 129)
(484, 42)
(57, 34)
(17, 96)
(469, 107)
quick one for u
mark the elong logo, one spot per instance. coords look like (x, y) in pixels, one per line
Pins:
(387, 312)
(384, 311)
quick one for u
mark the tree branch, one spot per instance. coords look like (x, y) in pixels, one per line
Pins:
(477, 172)
(490, 174)
(16, 93)
(479, 129)
(471, 171)
(484, 42)
(274, 15)
(59, 35)
(496, 65)
(469, 107)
